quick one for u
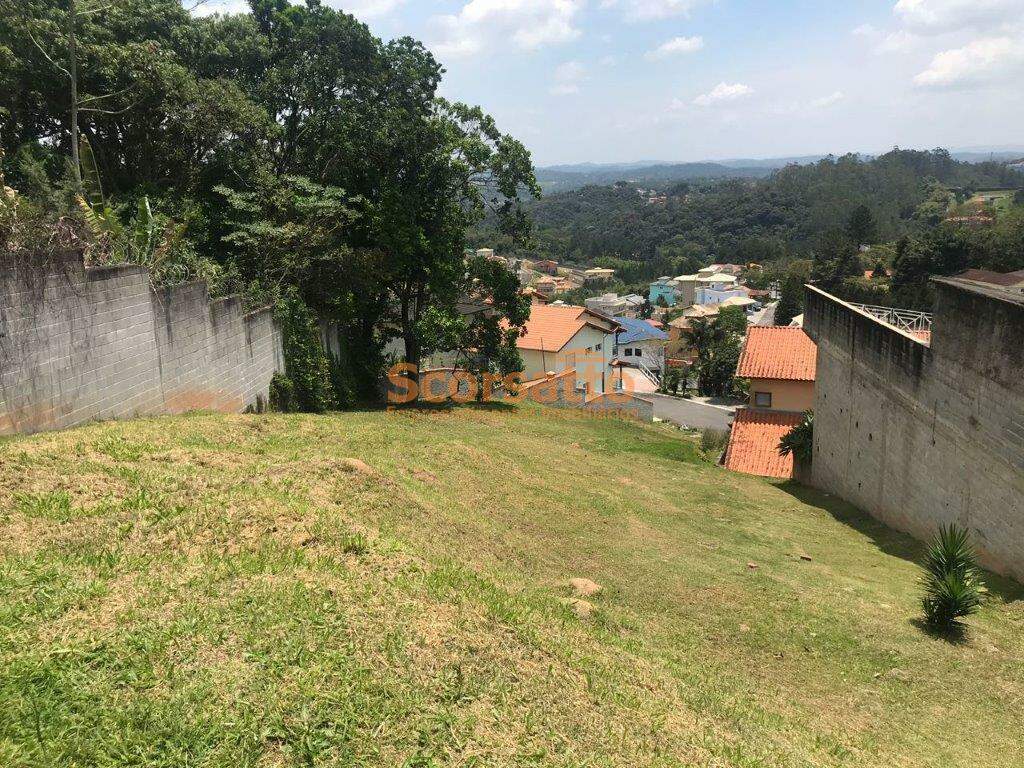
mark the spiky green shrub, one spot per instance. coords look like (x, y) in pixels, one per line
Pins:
(799, 441)
(952, 582)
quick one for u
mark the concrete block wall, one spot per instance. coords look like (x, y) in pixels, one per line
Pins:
(560, 392)
(919, 435)
(81, 344)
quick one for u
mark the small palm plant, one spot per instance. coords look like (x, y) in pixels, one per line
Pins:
(799, 441)
(952, 583)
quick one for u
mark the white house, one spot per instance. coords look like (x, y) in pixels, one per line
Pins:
(559, 337)
(616, 306)
(639, 344)
(716, 288)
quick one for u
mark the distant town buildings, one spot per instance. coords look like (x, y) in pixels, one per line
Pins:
(613, 305)
(663, 292)
(597, 276)
(716, 288)
(686, 290)
(729, 269)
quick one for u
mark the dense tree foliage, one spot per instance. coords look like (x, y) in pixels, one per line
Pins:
(900, 206)
(718, 342)
(306, 160)
(757, 220)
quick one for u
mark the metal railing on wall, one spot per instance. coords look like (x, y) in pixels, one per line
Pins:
(905, 319)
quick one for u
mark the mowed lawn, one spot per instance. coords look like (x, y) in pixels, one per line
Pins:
(236, 591)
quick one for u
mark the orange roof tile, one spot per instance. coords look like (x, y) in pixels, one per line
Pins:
(754, 442)
(772, 352)
(550, 327)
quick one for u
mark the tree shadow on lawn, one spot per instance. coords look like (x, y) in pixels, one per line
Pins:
(892, 542)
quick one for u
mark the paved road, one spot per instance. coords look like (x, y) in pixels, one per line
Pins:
(766, 316)
(687, 413)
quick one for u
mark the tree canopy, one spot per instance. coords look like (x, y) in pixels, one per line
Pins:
(304, 158)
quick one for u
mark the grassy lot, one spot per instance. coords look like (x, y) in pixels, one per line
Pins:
(235, 591)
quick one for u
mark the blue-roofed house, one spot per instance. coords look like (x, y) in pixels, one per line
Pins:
(639, 344)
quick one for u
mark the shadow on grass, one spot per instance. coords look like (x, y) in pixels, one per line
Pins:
(889, 540)
(955, 634)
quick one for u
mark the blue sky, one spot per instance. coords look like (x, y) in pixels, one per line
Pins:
(684, 80)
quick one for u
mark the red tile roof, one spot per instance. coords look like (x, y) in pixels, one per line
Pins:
(754, 442)
(551, 327)
(772, 352)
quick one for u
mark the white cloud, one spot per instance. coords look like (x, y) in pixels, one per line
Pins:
(367, 9)
(567, 78)
(723, 92)
(828, 101)
(649, 10)
(937, 16)
(881, 42)
(676, 46)
(897, 42)
(977, 63)
(529, 24)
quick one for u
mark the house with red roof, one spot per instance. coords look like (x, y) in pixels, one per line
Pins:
(781, 365)
(559, 337)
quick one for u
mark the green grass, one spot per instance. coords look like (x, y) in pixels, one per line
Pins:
(231, 592)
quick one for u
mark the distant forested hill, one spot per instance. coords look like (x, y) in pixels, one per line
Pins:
(571, 177)
(757, 219)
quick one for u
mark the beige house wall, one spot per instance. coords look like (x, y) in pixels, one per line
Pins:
(786, 395)
(686, 293)
(592, 367)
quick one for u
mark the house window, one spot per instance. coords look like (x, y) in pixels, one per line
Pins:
(629, 352)
(763, 399)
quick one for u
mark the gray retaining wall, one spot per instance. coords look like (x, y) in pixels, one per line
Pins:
(920, 435)
(81, 344)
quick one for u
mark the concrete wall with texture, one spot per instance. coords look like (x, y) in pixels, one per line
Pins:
(80, 344)
(919, 435)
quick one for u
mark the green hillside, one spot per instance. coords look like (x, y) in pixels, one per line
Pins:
(390, 589)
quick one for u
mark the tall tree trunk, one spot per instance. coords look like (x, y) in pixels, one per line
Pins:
(73, 73)
(409, 336)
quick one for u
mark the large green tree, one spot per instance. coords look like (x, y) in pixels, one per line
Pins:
(313, 161)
